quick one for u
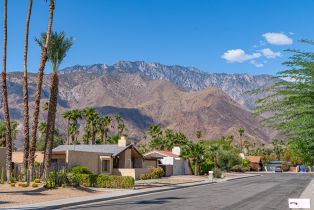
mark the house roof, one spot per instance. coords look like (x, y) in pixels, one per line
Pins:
(254, 159)
(161, 153)
(112, 149)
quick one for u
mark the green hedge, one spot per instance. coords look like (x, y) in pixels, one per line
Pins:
(112, 181)
(80, 170)
(86, 180)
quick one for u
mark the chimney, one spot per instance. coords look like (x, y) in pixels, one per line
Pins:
(123, 141)
(176, 151)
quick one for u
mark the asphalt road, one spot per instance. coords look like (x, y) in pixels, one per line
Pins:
(269, 191)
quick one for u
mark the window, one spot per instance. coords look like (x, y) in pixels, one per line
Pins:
(105, 166)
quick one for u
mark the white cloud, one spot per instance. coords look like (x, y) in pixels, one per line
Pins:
(239, 56)
(257, 65)
(277, 38)
(268, 53)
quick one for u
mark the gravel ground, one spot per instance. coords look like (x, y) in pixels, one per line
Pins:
(12, 196)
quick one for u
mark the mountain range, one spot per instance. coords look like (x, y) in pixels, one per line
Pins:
(183, 98)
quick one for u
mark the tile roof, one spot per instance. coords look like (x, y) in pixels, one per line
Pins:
(112, 149)
(254, 159)
(162, 152)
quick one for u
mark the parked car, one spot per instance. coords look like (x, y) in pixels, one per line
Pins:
(278, 169)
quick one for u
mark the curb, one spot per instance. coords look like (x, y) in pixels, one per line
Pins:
(170, 188)
(72, 204)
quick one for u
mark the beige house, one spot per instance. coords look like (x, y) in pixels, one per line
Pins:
(121, 159)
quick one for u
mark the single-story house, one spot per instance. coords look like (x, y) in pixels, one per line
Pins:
(255, 162)
(117, 159)
(170, 161)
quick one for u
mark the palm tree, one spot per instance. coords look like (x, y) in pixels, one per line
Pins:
(213, 152)
(25, 89)
(195, 152)
(247, 145)
(241, 132)
(155, 131)
(90, 115)
(57, 50)
(199, 134)
(67, 115)
(2, 134)
(43, 60)
(5, 98)
(103, 127)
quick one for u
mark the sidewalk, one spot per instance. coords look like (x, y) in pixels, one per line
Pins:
(118, 194)
(309, 193)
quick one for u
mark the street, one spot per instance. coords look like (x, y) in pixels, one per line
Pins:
(269, 191)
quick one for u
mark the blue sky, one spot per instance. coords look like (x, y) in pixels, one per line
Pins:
(213, 35)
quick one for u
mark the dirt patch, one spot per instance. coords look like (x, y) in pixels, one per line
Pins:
(13, 196)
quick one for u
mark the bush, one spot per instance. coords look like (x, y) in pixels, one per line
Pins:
(72, 180)
(156, 173)
(34, 184)
(23, 184)
(111, 181)
(80, 170)
(37, 180)
(21, 176)
(12, 184)
(143, 177)
(217, 173)
(285, 166)
(86, 180)
(55, 179)
(240, 168)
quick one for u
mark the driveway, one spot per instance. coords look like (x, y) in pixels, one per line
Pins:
(269, 191)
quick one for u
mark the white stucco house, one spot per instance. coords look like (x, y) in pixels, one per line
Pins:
(171, 161)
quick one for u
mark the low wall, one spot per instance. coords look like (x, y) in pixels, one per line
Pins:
(133, 172)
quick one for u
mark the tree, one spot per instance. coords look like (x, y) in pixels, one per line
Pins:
(91, 116)
(195, 152)
(67, 115)
(43, 60)
(291, 103)
(199, 134)
(25, 89)
(57, 140)
(155, 131)
(5, 98)
(213, 152)
(103, 127)
(278, 148)
(58, 47)
(247, 145)
(241, 132)
(2, 134)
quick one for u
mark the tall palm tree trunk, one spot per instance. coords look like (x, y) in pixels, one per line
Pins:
(6, 114)
(8, 137)
(68, 132)
(25, 89)
(43, 60)
(51, 121)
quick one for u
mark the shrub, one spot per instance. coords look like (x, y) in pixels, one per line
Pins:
(21, 176)
(37, 180)
(23, 184)
(237, 168)
(12, 184)
(55, 179)
(72, 180)
(111, 181)
(34, 184)
(285, 166)
(12, 180)
(157, 172)
(80, 170)
(143, 177)
(217, 173)
(86, 180)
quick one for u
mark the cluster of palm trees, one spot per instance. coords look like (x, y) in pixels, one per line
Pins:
(54, 47)
(97, 127)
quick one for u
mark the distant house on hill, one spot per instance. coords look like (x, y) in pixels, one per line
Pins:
(170, 161)
(117, 159)
(255, 162)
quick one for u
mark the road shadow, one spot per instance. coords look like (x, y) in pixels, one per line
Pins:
(156, 201)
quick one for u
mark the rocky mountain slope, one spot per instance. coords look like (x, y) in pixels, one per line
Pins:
(188, 78)
(143, 102)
